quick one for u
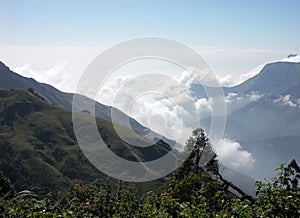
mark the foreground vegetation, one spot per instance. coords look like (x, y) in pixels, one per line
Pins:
(192, 191)
(279, 197)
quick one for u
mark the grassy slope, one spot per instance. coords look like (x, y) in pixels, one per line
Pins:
(38, 148)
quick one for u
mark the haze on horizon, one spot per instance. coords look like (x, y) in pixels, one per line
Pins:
(53, 41)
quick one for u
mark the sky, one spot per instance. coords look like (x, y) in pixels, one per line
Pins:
(53, 41)
(233, 36)
(253, 24)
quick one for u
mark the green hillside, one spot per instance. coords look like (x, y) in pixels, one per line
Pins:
(38, 148)
(12, 80)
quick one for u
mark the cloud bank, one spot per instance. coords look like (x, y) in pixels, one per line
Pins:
(60, 75)
(172, 118)
(287, 100)
(165, 106)
(232, 155)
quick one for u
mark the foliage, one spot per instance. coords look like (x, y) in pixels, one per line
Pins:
(195, 175)
(6, 190)
(281, 195)
(95, 200)
(193, 196)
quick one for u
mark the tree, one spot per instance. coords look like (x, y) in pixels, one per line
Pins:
(198, 156)
(290, 175)
(6, 189)
(196, 166)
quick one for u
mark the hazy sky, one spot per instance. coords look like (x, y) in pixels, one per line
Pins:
(41, 36)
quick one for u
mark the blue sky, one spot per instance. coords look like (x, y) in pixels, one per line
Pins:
(272, 24)
(233, 36)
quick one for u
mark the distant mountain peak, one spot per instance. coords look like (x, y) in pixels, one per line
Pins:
(292, 55)
(294, 58)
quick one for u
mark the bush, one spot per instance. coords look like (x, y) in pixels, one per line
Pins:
(193, 196)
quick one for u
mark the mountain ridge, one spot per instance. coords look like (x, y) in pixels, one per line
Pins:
(278, 74)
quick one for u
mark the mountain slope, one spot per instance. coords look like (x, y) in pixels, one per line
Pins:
(10, 79)
(279, 78)
(38, 148)
(272, 151)
(263, 116)
(268, 127)
(276, 112)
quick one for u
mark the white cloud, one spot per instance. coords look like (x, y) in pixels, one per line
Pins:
(252, 72)
(231, 154)
(227, 80)
(156, 102)
(286, 100)
(234, 64)
(185, 78)
(204, 104)
(109, 90)
(171, 104)
(66, 63)
(206, 77)
(294, 58)
(254, 96)
(229, 63)
(59, 75)
(231, 96)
